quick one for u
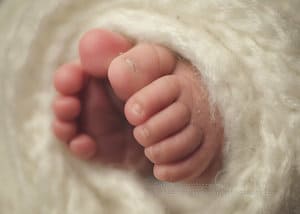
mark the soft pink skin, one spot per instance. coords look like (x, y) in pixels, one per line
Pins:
(137, 109)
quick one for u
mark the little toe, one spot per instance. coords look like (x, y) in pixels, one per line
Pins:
(163, 124)
(64, 131)
(66, 108)
(98, 47)
(192, 166)
(210, 173)
(151, 99)
(83, 146)
(69, 79)
(176, 147)
(136, 68)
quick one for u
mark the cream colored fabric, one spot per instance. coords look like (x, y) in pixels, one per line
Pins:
(248, 54)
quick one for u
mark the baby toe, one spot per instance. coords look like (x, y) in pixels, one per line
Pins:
(64, 131)
(136, 68)
(210, 174)
(163, 124)
(192, 166)
(83, 146)
(151, 99)
(98, 47)
(66, 108)
(176, 147)
(69, 79)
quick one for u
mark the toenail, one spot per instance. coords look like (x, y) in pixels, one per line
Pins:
(144, 132)
(131, 64)
(161, 174)
(137, 110)
(149, 154)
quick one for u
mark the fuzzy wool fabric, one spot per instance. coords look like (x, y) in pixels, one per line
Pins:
(248, 53)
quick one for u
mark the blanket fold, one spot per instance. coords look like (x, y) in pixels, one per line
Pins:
(248, 55)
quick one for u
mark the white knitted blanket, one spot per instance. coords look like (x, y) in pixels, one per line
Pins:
(248, 52)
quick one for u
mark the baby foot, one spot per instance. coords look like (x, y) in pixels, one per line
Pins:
(169, 108)
(164, 102)
(89, 117)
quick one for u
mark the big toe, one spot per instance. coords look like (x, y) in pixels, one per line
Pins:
(98, 47)
(138, 67)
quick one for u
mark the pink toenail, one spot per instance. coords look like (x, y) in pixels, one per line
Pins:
(137, 110)
(131, 64)
(145, 132)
